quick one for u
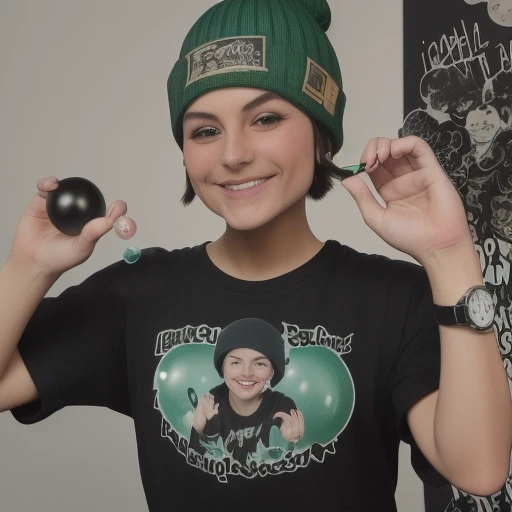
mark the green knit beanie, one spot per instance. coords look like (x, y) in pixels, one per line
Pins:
(275, 45)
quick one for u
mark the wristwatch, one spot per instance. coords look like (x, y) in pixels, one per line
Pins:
(475, 308)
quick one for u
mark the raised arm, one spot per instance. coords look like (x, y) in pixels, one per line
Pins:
(465, 428)
(39, 255)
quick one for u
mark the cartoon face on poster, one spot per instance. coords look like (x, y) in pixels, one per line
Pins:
(500, 11)
(249, 401)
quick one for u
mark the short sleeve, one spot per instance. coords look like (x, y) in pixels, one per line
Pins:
(417, 368)
(74, 349)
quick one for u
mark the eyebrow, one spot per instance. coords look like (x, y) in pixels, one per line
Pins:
(260, 100)
(255, 359)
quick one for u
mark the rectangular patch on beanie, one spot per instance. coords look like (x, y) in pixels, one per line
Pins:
(243, 53)
(319, 85)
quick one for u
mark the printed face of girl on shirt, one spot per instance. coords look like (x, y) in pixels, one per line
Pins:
(246, 372)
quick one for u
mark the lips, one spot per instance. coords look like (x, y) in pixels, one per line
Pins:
(246, 384)
(245, 189)
(243, 181)
(246, 185)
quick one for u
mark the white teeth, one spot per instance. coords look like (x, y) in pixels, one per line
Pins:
(243, 186)
(245, 383)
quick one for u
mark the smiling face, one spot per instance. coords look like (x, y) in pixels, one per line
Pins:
(483, 124)
(249, 154)
(500, 11)
(245, 372)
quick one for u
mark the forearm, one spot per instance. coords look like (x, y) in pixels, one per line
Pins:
(473, 413)
(22, 287)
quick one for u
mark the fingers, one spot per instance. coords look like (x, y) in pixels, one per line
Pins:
(201, 403)
(413, 147)
(96, 228)
(414, 150)
(209, 401)
(298, 419)
(388, 159)
(376, 152)
(45, 185)
(376, 155)
(301, 424)
(206, 398)
(292, 428)
(200, 415)
(116, 209)
(210, 408)
(369, 155)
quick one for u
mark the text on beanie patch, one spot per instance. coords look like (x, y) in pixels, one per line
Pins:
(227, 55)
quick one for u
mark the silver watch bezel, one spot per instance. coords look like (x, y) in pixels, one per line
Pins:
(466, 301)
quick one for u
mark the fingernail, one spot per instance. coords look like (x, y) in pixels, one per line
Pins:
(375, 163)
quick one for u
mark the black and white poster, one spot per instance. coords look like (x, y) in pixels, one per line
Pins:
(458, 97)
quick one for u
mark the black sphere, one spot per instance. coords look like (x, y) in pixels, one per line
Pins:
(76, 202)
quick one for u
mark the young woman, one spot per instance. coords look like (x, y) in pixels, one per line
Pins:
(256, 104)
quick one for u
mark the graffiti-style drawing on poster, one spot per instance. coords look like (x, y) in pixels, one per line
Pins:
(458, 97)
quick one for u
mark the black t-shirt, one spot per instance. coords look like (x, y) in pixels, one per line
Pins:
(361, 342)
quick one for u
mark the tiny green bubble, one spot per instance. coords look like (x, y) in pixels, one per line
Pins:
(132, 254)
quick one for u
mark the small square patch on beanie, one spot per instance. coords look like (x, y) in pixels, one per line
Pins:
(227, 55)
(319, 85)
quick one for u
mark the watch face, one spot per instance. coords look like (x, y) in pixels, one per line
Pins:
(481, 308)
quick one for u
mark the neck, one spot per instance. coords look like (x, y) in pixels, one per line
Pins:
(244, 407)
(274, 249)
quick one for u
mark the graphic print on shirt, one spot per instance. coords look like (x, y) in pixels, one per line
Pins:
(297, 422)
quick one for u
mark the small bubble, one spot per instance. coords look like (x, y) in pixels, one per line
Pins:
(132, 254)
(125, 227)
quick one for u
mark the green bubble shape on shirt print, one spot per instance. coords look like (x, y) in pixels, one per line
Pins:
(316, 379)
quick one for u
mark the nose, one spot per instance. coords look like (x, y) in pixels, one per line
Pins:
(247, 370)
(237, 151)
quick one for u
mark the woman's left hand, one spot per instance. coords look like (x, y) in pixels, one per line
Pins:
(423, 212)
(292, 427)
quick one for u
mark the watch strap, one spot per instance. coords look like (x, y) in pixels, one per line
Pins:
(451, 315)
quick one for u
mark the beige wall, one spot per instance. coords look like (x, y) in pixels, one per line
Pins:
(83, 93)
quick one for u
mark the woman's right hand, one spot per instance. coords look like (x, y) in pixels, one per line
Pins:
(37, 242)
(206, 409)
